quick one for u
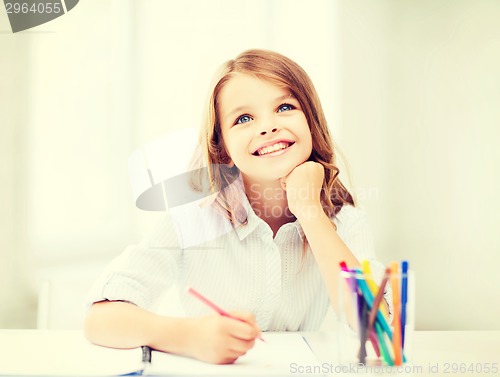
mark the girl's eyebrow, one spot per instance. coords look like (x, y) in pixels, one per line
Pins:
(284, 97)
(241, 108)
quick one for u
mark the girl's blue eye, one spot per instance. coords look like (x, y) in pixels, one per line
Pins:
(243, 119)
(285, 107)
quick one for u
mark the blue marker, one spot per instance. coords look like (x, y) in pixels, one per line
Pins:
(404, 298)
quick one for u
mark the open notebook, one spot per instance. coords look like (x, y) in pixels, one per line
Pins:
(68, 353)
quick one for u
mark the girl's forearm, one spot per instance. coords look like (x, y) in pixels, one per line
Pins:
(123, 325)
(329, 250)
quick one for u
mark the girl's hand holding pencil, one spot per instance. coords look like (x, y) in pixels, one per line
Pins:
(222, 338)
(219, 339)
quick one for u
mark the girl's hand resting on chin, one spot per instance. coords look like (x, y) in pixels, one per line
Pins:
(303, 190)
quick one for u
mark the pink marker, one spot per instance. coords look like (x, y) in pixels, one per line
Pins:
(219, 310)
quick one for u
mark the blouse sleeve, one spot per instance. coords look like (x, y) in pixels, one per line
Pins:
(142, 273)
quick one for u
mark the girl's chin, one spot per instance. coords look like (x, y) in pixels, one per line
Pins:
(283, 173)
(269, 177)
(269, 172)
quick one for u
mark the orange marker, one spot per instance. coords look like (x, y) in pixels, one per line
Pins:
(396, 335)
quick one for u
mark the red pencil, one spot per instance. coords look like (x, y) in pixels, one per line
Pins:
(218, 309)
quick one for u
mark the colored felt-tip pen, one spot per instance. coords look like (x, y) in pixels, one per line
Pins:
(404, 299)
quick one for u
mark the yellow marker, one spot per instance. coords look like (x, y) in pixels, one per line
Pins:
(365, 267)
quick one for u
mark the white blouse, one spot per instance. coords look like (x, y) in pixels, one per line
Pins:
(241, 268)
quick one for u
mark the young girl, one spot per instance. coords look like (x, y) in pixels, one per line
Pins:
(287, 222)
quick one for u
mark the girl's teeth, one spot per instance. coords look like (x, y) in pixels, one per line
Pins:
(272, 148)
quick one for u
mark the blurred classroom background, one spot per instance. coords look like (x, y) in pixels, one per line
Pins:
(411, 90)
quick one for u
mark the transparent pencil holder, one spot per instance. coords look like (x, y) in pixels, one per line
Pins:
(373, 336)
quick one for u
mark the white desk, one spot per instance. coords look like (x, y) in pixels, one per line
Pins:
(433, 353)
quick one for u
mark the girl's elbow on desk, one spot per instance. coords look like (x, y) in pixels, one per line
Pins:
(119, 324)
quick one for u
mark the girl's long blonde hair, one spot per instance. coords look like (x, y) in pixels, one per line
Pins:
(222, 179)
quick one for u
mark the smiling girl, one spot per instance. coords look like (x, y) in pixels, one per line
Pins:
(273, 175)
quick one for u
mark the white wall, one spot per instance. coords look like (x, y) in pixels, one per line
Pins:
(14, 83)
(410, 89)
(421, 117)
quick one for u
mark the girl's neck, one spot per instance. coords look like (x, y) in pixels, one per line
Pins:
(269, 202)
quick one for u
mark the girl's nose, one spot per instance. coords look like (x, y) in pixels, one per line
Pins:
(266, 131)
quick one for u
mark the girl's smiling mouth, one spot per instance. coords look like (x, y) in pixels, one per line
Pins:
(273, 148)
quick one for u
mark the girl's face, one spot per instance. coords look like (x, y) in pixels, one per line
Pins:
(263, 127)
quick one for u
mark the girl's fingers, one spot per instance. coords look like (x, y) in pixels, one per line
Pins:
(245, 328)
(283, 183)
(241, 346)
(244, 316)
